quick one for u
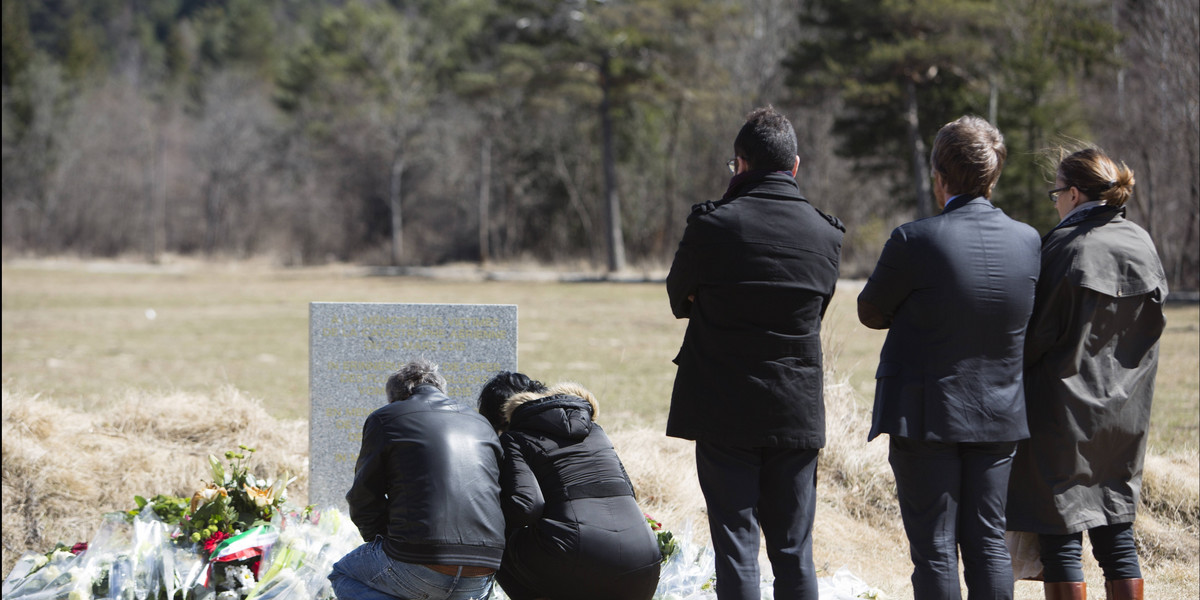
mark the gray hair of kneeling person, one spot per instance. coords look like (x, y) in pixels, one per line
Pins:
(402, 383)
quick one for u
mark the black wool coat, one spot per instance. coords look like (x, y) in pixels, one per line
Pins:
(753, 275)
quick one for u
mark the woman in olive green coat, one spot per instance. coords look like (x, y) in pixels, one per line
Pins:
(1091, 355)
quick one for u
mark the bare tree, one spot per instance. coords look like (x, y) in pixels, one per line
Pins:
(231, 150)
(35, 152)
(1154, 125)
(395, 104)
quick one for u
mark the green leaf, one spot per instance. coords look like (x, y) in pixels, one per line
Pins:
(218, 470)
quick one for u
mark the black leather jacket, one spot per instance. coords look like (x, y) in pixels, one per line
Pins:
(427, 482)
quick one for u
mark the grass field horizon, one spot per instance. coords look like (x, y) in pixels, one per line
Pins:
(87, 341)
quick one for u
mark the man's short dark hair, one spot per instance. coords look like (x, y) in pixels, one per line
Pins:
(402, 383)
(499, 389)
(767, 141)
(969, 154)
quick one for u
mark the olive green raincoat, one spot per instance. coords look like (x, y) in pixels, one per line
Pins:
(1091, 355)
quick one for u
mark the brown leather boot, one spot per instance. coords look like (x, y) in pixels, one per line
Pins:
(1066, 590)
(1123, 589)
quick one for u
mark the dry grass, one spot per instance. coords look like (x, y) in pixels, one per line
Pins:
(64, 468)
(101, 403)
(858, 521)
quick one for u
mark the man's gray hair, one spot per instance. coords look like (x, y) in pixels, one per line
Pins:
(402, 383)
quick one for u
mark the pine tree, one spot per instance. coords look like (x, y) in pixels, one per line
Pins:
(1048, 49)
(901, 68)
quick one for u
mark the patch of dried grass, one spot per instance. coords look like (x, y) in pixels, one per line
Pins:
(63, 469)
(1168, 525)
(858, 522)
(1171, 489)
(854, 477)
(663, 471)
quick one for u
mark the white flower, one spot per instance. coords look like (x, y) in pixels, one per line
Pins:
(263, 497)
(241, 578)
(207, 495)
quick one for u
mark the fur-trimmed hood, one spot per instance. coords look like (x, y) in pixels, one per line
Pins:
(566, 409)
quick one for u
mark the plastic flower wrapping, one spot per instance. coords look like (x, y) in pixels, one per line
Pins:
(289, 558)
(235, 539)
(689, 572)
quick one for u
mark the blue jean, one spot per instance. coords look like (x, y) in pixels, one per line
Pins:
(368, 573)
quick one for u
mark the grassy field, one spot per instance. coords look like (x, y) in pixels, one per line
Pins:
(81, 333)
(223, 359)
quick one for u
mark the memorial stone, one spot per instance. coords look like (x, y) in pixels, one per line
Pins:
(354, 347)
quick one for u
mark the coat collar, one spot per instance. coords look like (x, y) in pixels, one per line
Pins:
(1100, 250)
(960, 203)
(511, 405)
(1099, 211)
(775, 183)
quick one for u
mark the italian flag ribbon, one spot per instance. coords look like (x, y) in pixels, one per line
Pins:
(247, 544)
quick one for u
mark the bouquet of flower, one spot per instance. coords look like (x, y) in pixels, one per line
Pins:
(299, 563)
(233, 502)
(123, 561)
(688, 569)
(236, 539)
(667, 545)
(173, 548)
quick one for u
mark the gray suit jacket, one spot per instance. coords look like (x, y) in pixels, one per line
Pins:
(956, 291)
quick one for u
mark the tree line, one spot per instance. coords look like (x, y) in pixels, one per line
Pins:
(428, 131)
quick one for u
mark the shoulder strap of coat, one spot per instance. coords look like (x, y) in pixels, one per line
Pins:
(601, 489)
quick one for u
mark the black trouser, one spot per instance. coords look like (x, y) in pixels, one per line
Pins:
(775, 488)
(1112, 545)
(953, 495)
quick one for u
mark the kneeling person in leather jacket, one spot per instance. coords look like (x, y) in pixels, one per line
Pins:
(425, 497)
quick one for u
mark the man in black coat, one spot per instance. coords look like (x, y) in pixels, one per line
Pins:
(956, 292)
(754, 274)
(426, 497)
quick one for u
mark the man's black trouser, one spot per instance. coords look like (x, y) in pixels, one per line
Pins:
(771, 488)
(952, 496)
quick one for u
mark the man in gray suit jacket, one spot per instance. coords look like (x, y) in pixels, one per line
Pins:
(956, 292)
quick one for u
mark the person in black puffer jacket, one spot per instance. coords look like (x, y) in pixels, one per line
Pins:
(573, 525)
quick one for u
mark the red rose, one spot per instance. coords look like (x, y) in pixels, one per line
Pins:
(79, 548)
(211, 543)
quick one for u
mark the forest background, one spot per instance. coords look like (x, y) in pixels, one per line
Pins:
(577, 132)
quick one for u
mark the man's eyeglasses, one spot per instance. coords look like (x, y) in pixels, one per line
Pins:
(1055, 192)
(732, 164)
